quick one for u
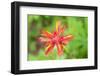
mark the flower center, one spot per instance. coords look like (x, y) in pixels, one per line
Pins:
(55, 39)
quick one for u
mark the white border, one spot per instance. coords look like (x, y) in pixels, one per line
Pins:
(26, 65)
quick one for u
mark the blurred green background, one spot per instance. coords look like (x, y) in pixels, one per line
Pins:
(77, 26)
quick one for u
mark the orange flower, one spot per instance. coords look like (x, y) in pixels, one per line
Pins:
(55, 39)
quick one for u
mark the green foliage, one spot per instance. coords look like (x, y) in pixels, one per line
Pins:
(77, 26)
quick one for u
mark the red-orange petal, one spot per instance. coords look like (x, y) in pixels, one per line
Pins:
(46, 34)
(60, 49)
(59, 28)
(42, 39)
(49, 48)
(67, 38)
